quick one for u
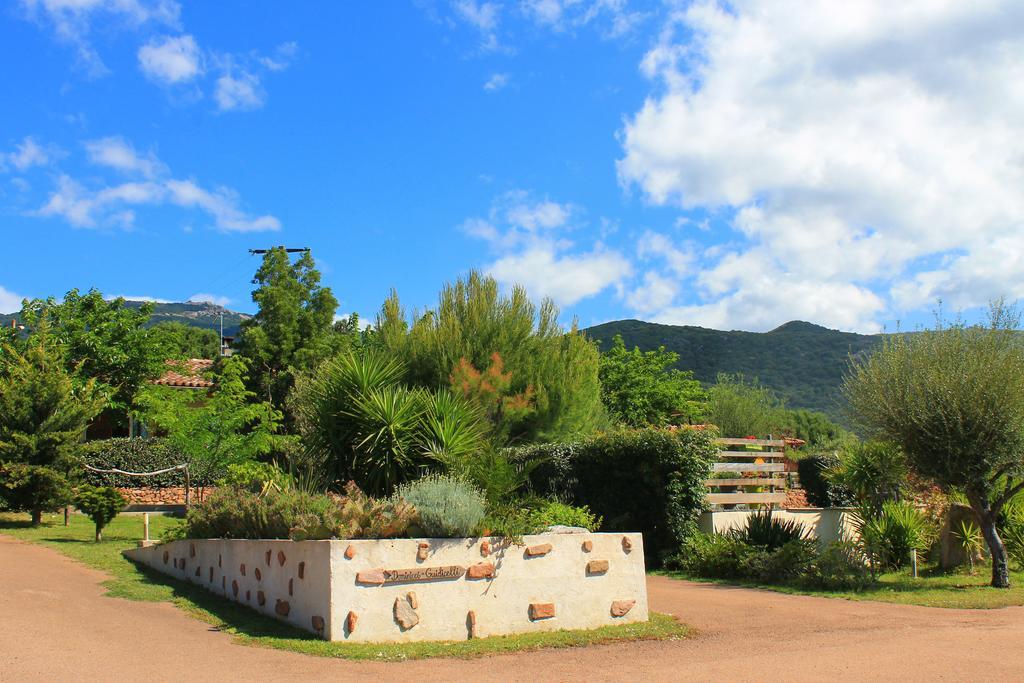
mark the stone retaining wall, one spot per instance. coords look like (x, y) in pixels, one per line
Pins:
(421, 589)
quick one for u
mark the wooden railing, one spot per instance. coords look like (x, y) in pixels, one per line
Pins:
(764, 468)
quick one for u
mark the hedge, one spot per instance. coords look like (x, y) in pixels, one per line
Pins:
(648, 480)
(134, 455)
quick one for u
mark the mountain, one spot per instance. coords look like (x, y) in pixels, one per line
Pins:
(198, 314)
(804, 363)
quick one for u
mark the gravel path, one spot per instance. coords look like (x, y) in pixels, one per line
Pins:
(56, 624)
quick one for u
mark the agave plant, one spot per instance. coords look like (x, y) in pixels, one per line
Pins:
(968, 537)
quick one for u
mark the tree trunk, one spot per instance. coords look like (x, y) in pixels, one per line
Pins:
(37, 517)
(99, 533)
(1000, 563)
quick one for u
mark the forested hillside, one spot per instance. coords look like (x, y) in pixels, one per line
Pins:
(196, 314)
(803, 362)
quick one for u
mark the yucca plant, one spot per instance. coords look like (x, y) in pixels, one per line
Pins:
(385, 435)
(767, 531)
(889, 537)
(968, 536)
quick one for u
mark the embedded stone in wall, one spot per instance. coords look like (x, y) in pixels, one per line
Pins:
(291, 583)
(259, 576)
(620, 608)
(471, 624)
(267, 556)
(538, 550)
(234, 587)
(281, 558)
(211, 574)
(318, 624)
(350, 621)
(627, 545)
(350, 552)
(302, 569)
(282, 608)
(422, 550)
(198, 571)
(371, 576)
(261, 599)
(220, 561)
(191, 549)
(480, 570)
(485, 549)
(167, 556)
(413, 600)
(241, 569)
(405, 613)
(541, 610)
(597, 566)
(248, 595)
(588, 546)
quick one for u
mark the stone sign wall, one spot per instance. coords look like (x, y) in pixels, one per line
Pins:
(421, 589)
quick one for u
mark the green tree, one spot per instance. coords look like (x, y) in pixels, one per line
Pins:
(43, 414)
(641, 388)
(101, 504)
(739, 407)
(180, 341)
(953, 399)
(473, 321)
(815, 428)
(102, 340)
(292, 330)
(213, 431)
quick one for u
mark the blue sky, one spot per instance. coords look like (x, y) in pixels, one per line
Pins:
(693, 163)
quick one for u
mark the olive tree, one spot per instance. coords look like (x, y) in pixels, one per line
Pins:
(953, 399)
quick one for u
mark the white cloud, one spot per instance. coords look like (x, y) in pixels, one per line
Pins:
(482, 16)
(28, 153)
(72, 21)
(496, 82)
(110, 205)
(615, 16)
(222, 301)
(565, 278)
(243, 92)
(221, 204)
(867, 153)
(9, 301)
(119, 154)
(654, 245)
(171, 60)
(528, 234)
(656, 293)
(138, 297)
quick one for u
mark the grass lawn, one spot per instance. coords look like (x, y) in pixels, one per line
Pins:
(933, 588)
(250, 628)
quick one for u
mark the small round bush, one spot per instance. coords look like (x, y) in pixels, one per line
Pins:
(559, 514)
(447, 507)
(101, 504)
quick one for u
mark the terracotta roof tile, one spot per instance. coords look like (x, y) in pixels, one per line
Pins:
(186, 374)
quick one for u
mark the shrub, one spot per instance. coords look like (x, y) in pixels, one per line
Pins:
(821, 491)
(447, 507)
(648, 480)
(253, 475)
(101, 504)
(764, 530)
(890, 536)
(714, 556)
(780, 565)
(840, 565)
(560, 514)
(134, 455)
(232, 512)
(33, 488)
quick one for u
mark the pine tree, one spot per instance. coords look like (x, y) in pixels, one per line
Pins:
(43, 414)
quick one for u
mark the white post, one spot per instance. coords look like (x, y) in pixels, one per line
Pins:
(913, 561)
(145, 526)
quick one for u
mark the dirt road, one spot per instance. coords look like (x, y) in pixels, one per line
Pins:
(56, 624)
